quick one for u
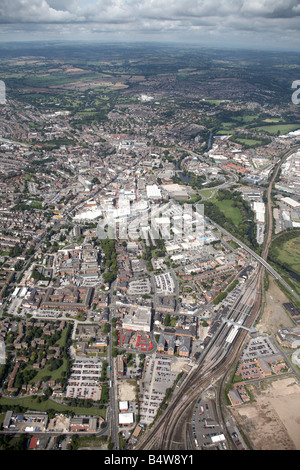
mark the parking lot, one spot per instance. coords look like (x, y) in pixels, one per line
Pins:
(84, 380)
(164, 284)
(205, 423)
(159, 375)
(207, 431)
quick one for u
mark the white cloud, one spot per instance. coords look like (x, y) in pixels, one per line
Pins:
(192, 18)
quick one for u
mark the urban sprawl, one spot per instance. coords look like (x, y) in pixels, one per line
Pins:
(116, 273)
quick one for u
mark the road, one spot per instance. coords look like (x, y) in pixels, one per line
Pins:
(269, 230)
(112, 412)
(260, 259)
(171, 430)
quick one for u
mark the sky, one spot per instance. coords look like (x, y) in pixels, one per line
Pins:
(252, 24)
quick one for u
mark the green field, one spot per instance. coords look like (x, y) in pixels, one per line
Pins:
(206, 192)
(285, 253)
(282, 128)
(247, 118)
(228, 209)
(31, 403)
(249, 141)
(289, 253)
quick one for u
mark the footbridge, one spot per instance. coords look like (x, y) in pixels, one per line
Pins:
(238, 325)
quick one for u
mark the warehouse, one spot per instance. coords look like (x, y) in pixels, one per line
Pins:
(259, 209)
(291, 202)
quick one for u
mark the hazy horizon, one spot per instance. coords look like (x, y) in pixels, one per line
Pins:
(265, 25)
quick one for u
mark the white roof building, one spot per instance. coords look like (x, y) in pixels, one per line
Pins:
(123, 405)
(259, 209)
(153, 191)
(291, 202)
(219, 438)
(126, 419)
(139, 319)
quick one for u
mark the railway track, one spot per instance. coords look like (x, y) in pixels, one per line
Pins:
(172, 430)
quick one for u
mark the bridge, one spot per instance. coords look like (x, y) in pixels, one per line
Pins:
(238, 325)
(259, 259)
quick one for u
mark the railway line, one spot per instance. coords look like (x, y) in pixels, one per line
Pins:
(172, 430)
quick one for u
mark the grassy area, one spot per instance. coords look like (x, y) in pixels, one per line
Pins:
(284, 254)
(233, 244)
(31, 403)
(56, 374)
(90, 442)
(229, 210)
(206, 192)
(48, 371)
(290, 253)
(249, 117)
(249, 141)
(281, 128)
(227, 127)
(49, 80)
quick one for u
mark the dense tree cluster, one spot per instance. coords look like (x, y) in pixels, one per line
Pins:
(108, 248)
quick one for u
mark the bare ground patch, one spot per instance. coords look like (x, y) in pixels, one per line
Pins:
(273, 421)
(126, 391)
(274, 314)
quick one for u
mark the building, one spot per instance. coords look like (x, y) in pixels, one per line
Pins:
(138, 319)
(123, 406)
(259, 209)
(126, 419)
(289, 337)
(120, 366)
(166, 344)
(291, 202)
(33, 443)
(83, 423)
(68, 298)
(165, 304)
(2, 352)
(153, 192)
(184, 346)
(7, 419)
(176, 191)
